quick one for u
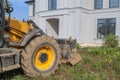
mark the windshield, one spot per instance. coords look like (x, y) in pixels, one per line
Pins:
(3, 5)
(0, 8)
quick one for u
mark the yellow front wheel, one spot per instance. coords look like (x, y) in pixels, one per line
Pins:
(41, 57)
(44, 57)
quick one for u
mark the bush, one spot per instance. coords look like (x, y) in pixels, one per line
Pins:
(103, 51)
(111, 41)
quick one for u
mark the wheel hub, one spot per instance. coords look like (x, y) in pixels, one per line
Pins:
(43, 57)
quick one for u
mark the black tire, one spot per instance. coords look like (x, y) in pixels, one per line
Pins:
(28, 54)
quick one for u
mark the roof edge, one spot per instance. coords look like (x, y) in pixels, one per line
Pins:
(30, 1)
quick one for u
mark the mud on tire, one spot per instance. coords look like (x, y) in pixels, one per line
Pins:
(30, 63)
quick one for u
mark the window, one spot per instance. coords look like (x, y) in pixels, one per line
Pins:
(98, 4)
(52, 4)
(113, 3)
(105, 27)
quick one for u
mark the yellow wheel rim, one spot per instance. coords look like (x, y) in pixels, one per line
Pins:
(44, 58)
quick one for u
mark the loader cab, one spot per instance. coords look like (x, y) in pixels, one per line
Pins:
(4, 8)
(0, 9)
(1, 13)
(2, 21)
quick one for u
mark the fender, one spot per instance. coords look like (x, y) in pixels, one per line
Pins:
(26, 38)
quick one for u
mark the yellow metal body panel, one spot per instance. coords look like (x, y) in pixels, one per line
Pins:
(18, 29)
(20, 26)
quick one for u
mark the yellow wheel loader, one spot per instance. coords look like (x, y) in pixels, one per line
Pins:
(24, 45)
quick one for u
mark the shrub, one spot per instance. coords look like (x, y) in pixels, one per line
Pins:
(111, 41)
(102, 51)
(116, 63)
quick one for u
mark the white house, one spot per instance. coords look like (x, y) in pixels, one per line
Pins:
(88, 21)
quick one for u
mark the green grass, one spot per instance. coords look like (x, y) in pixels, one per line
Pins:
(97, 64)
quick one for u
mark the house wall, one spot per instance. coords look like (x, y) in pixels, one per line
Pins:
(41, 4)
(87, 4)
(89, 21)
(77, 18)
(68, 20)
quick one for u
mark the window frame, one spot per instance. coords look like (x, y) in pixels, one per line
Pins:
(53, 6)
(106, 26)
(95, 4)
(113, 6)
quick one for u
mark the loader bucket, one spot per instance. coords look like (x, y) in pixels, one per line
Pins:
(69, 52)
(73, 59)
